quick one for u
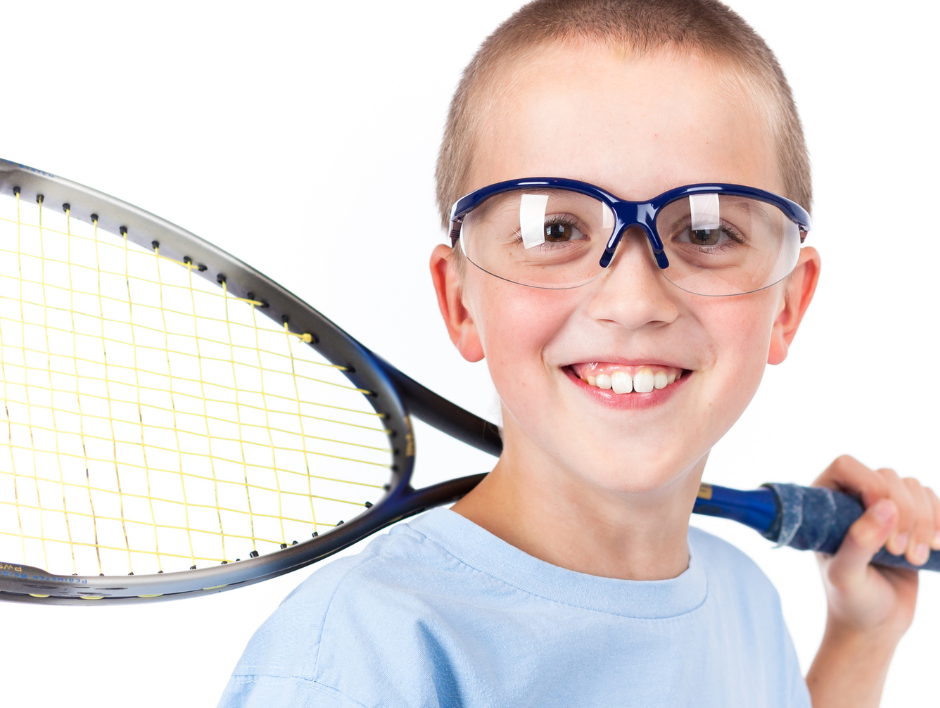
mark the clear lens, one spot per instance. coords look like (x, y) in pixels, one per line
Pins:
(716, 244)
(719, 244)
(548, 238)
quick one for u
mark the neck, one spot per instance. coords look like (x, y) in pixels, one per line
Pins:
(559, 516)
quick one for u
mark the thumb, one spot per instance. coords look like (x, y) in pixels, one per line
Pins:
(864, 539)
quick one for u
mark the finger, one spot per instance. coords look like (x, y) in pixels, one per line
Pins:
(849, 565)
(918, 548)
(935, 505)
(846, 474)
(897, 491)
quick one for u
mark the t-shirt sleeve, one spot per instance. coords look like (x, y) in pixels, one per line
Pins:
(282, 692)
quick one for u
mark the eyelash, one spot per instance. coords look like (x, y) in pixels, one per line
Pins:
(553, 220)
(736, 237)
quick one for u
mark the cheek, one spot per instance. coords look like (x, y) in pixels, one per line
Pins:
(740, 330)
(515, 324)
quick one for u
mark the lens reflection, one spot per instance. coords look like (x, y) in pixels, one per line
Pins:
(719, 244)
(716, 244)
(550, 238)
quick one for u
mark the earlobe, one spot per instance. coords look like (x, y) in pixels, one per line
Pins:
(457, 317)
(799, 289)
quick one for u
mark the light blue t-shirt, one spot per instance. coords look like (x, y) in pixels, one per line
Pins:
(441, 613)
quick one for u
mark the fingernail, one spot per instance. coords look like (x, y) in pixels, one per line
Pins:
(921, 553)
(884, 512)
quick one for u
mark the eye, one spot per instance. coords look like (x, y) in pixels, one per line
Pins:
(562, 231)
(723, 236)
(704, 237)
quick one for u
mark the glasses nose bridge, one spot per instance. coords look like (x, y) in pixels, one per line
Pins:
(628, 215)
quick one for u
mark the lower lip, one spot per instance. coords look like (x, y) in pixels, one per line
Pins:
(629, 401)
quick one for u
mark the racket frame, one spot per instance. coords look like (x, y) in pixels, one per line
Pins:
(391, 395)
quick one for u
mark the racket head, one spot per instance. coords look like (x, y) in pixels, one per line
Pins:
(365, 372)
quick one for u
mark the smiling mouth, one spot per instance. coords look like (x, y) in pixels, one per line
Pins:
(624, 380)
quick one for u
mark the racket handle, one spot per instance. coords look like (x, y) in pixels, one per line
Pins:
(817, 519)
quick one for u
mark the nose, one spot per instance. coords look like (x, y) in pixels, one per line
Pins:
(632, 291)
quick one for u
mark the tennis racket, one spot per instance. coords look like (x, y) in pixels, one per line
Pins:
(176, 424)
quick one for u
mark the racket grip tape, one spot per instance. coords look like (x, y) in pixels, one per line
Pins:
(817, 519)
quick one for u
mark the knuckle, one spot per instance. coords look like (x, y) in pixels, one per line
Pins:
(878, 487)
(888, 474)
(840, 575)
(904, 503)
(863, 532)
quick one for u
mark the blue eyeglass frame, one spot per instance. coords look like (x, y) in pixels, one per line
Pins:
(626, 213)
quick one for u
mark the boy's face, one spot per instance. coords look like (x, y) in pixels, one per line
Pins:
(636, 129)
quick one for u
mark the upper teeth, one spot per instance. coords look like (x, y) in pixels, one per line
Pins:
(643, 381)
(621, 383)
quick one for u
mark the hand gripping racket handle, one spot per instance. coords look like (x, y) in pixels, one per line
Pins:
(805, 518)
(817, 519)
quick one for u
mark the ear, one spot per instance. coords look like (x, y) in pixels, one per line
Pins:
(449, 288)
(800, 286)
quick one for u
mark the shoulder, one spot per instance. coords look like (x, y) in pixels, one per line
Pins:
(381, 607)
(387, 572)
(747, 616)
(740, 595)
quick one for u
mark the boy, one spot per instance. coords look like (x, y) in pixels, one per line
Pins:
(624, 340)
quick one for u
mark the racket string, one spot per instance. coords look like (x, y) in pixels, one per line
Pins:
(303, 436)
(16, 491)
(68, 527)
(241, 444)
(215, 481)
(115, 410)
(30, 415)
(91, 502)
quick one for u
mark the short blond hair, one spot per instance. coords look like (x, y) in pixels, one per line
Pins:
(636, 28)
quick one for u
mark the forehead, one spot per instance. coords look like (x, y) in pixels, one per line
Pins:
(634, 126)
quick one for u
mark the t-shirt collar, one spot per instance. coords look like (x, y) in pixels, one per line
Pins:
(641, 599)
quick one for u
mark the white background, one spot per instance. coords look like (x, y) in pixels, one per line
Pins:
(301, 137)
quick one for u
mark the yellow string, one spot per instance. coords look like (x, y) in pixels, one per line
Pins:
(32, 446)
(48, 358)
(186, 527)
(62, 330)
(6, 406)
(306, 337)
(241, 443)
(199, 381)
(272, 428)
(79, 382)
(176, 434)
(302, 431)
(103, 490)
(267, 420)
(91, 501)
(210, 457)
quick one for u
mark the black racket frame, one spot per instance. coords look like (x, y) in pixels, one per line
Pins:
(393, 394)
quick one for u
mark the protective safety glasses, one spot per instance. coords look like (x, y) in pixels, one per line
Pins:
(707, 239)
